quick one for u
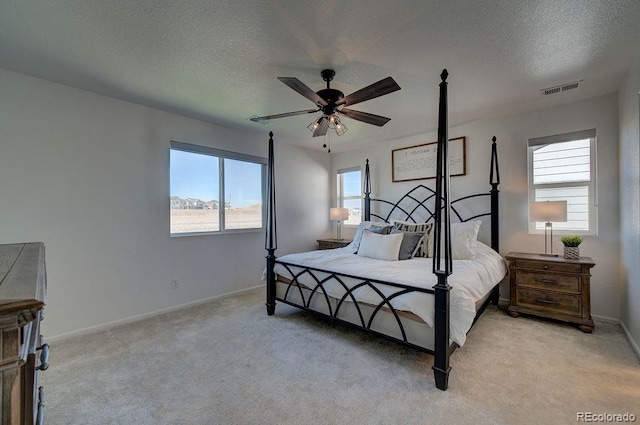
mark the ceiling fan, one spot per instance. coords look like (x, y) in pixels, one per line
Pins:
(333, 103)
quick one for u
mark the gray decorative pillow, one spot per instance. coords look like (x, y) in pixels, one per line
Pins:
(423, 248)
(411, 242)
(381, 230)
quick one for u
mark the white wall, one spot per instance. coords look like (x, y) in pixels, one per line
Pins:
(629, 106)
(512, 134)
(88, 176)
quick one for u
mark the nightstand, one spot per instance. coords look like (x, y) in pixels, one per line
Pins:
(551, 287)
(332, 243)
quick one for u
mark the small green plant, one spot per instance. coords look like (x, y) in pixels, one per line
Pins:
(571, 240)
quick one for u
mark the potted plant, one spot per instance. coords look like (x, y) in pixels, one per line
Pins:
(571, 246)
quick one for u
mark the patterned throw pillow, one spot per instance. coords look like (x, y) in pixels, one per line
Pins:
(425, 228)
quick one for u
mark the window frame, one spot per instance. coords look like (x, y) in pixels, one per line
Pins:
(221, 155)
(591, 184)
(340, 198)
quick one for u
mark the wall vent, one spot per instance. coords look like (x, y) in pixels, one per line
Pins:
(561, 88)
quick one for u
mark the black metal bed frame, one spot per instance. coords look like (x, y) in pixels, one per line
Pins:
(442, 261)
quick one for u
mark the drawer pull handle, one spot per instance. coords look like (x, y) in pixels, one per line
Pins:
(551, 281)
(543, 301)
(44, 357)
(545, 267)
(40, 417)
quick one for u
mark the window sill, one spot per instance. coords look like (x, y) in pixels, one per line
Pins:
(225, 232)
(566, 232)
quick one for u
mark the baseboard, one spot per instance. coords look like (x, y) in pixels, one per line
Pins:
(605, 319)
(119, 322)
(632, 341)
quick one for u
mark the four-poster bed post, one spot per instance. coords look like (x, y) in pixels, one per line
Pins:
(442, 262)
(494, 181)
(367, 192)
(271, 238)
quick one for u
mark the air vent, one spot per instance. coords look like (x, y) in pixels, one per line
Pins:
(561, 88)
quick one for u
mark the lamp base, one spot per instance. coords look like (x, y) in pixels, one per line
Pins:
(548, 255)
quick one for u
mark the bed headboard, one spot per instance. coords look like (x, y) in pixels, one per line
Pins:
(418, 204)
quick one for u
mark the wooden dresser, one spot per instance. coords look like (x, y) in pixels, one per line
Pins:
(23, 286)
(551, 287)
(332, 243)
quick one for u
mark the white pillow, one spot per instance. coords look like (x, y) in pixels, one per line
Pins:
(361, 227)
(464, 238)
(381, 247)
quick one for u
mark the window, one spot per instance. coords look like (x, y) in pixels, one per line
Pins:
(563, 168)
(350, 194)
(201, 177)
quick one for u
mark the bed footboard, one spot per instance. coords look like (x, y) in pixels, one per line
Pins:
(308, 289)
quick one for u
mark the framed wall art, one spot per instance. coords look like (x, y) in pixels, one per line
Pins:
(419, 162)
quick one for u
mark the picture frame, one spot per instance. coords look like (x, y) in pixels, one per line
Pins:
(419, 162)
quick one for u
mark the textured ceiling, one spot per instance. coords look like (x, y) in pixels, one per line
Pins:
(218, 60)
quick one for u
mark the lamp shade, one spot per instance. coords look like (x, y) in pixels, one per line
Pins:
(339, 213)
(548, 211)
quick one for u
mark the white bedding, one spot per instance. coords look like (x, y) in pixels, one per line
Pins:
(471, 281)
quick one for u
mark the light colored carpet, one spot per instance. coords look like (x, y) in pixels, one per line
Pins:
(227, 362)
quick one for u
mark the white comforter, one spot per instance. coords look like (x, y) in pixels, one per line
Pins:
(471, 281)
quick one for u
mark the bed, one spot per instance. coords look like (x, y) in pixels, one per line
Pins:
(431, 298)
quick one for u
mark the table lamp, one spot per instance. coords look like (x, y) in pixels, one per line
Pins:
(548, 212)
(339, 214)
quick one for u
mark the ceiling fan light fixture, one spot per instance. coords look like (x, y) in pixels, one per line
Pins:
(314, 125)
(337, 125)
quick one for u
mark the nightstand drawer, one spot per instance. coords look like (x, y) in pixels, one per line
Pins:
(548, 301)
(548, 266)
(550, 281)
(332, 243)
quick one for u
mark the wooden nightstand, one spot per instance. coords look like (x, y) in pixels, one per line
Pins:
(551, 287)
(332, 243)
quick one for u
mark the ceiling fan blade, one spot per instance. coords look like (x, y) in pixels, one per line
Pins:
(322, 128)
(303, 89)
(286, 114)
(365, 117)
(382, 87)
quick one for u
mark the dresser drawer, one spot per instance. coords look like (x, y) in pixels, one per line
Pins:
(549, 301)
(553, 282)
(548, 266)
